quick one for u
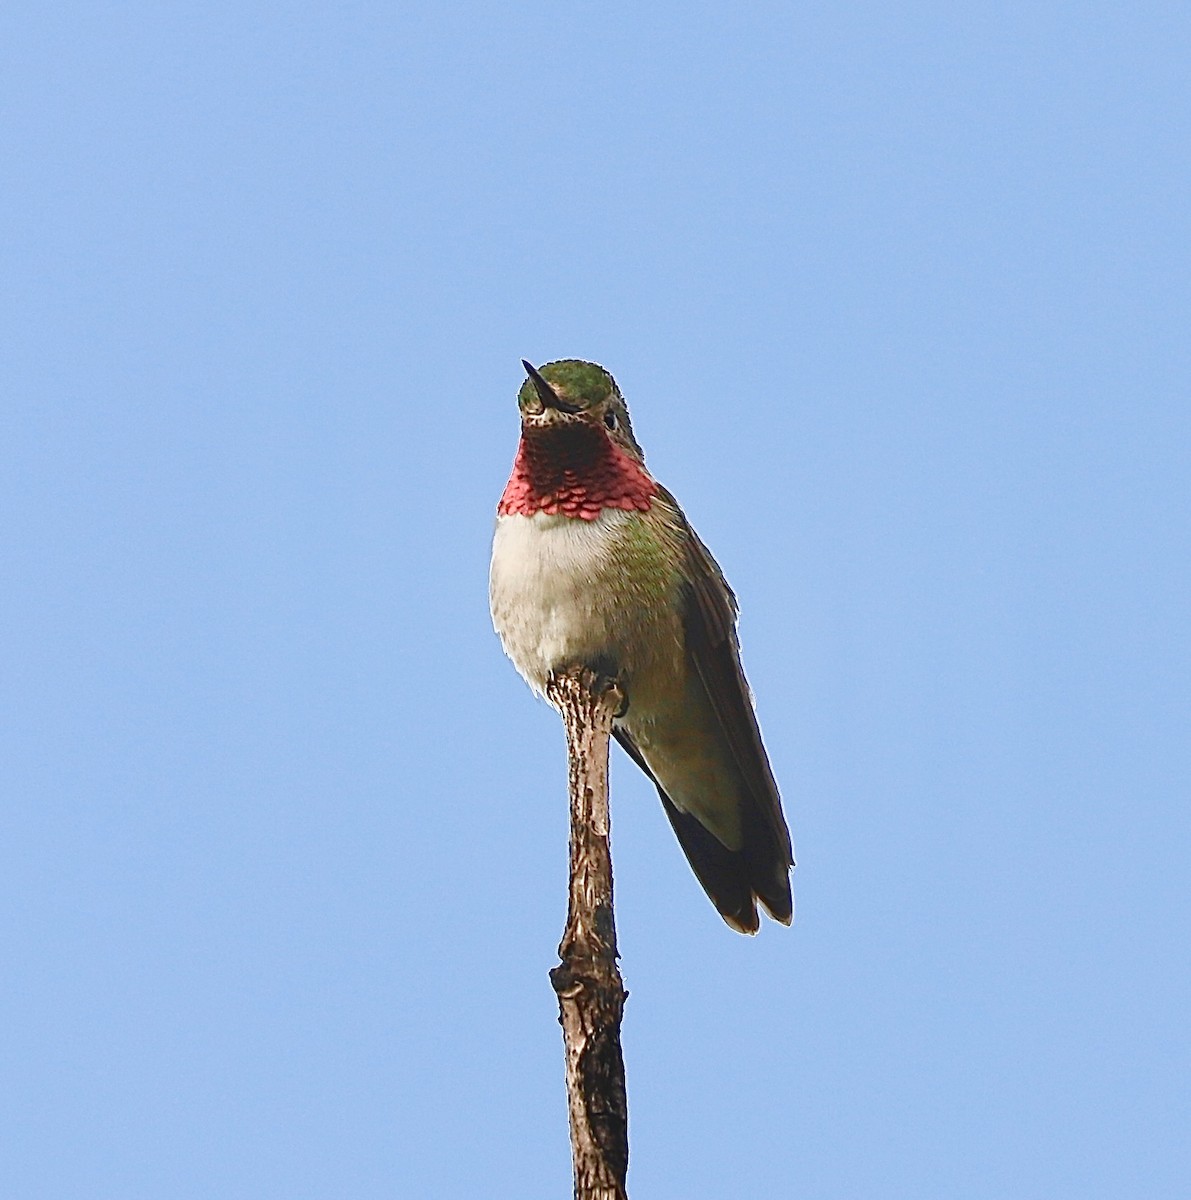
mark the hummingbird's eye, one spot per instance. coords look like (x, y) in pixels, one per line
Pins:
(610, 419)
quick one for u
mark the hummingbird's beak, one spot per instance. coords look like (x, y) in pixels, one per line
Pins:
(548, 396)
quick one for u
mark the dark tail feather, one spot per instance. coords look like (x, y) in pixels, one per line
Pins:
(768, 861)
(734, 879)
(721, 871)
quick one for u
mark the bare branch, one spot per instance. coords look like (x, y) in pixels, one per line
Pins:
(590, 991)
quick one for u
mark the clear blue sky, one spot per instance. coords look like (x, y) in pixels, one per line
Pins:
(899, 295)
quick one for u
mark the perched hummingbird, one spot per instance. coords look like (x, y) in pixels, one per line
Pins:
(594, 564)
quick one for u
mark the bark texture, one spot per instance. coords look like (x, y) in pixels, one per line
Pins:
(590, 991)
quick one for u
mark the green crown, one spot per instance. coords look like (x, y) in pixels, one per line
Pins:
(580, 382)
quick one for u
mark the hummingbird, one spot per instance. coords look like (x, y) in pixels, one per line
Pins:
(594, 564)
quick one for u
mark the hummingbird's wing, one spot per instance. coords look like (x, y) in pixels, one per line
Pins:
(761, 866)
(710, 626)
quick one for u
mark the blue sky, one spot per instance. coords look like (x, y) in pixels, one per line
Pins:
(899, 298)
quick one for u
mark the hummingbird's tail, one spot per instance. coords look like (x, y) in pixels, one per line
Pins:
(736, 879)
(733, 879)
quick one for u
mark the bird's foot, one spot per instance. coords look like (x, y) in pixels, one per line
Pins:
(600, 678)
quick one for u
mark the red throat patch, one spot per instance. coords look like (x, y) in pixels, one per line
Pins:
(576, 470)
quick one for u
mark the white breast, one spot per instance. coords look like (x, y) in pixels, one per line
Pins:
(548, 604)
